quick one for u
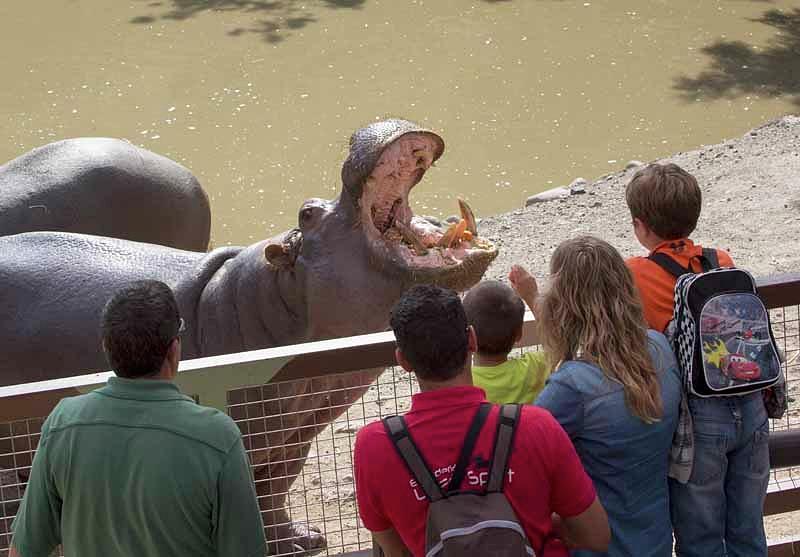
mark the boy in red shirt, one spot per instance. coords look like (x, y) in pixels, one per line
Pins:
(717, 501)
(544, 475)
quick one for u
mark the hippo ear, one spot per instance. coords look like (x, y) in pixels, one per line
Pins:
(278, 255)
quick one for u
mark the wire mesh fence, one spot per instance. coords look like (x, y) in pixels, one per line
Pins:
(300, 435)
(323, 494)
(786, 327)
(18, 442)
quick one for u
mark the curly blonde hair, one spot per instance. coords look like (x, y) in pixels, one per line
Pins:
(592, 312)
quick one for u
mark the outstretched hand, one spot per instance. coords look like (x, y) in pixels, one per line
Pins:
(523, 284)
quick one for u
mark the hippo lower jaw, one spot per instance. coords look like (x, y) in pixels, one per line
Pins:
(453, 257)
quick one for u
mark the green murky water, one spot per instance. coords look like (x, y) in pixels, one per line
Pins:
(258, 97)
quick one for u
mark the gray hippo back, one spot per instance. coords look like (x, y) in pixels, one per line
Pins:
(54, 285)
(105, 187)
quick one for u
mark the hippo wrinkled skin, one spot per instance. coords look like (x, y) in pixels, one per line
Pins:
(337, 274)
(106, 187)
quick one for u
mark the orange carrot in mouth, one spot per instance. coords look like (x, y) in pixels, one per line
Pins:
(459, 232)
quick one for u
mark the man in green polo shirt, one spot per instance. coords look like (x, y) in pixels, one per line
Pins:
(136, 468)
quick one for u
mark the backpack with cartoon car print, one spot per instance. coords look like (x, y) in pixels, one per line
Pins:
(721, 331)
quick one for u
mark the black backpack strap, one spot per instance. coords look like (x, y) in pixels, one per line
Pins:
(503, 441)
(401, 439)
(668, 264)
(468, 446)
(709, 260)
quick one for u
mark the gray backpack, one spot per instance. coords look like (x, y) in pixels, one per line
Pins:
(464, 523)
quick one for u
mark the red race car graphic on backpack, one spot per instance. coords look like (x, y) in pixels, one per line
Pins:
(732, 364)
(740, 367)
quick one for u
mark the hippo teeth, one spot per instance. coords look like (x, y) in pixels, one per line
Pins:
(464, 230)
(468, 216)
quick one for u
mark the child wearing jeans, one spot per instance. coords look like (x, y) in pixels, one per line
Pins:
(496, 312)
(717, 502)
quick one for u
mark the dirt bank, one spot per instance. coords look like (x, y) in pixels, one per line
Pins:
(751, 207)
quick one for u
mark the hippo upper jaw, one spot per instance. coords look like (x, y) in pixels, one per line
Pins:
(408, 245)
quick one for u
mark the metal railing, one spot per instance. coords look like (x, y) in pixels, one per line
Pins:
(299, 407)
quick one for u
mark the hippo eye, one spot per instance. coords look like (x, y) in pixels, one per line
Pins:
(305, 215)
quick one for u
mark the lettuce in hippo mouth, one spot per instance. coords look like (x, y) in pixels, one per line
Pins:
(391, 225)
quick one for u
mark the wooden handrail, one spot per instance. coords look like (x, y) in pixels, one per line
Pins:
(784, 448)
(343, 354)
(779, 290)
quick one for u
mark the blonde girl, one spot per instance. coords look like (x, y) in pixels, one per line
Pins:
(615, 390)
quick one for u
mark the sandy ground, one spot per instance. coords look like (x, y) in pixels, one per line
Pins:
(751, 207)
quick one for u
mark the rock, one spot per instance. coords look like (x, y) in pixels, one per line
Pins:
(549, 195)
(433, 220)
(595, 205)
(346, 429)
(340, 496)
(578, 186)
(633, 164)
(452, 219)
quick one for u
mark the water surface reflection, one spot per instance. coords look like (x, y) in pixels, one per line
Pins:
(258, 97)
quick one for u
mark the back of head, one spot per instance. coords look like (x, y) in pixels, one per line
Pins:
(431, 331)
(496, 312)
(592, 312)
(139, 323)
(666, 198)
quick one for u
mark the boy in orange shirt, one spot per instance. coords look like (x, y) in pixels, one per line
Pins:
(718, 511)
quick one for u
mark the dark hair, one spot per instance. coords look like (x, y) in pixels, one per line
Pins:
(496, 312)
(666, 198)
(139, 324)
(431, 330)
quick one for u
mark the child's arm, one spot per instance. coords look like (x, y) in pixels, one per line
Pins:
(525, 286)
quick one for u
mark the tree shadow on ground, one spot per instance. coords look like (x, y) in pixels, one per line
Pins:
(738, 69)
(280, 17)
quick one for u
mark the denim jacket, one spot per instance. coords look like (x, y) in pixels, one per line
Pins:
(626, 458)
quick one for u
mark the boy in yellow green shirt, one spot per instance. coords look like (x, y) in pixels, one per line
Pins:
(496, 312)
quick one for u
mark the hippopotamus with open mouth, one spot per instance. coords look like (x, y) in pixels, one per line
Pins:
(337, 273)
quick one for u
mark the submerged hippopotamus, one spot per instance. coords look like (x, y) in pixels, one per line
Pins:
(337, 274)
(107, 187)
